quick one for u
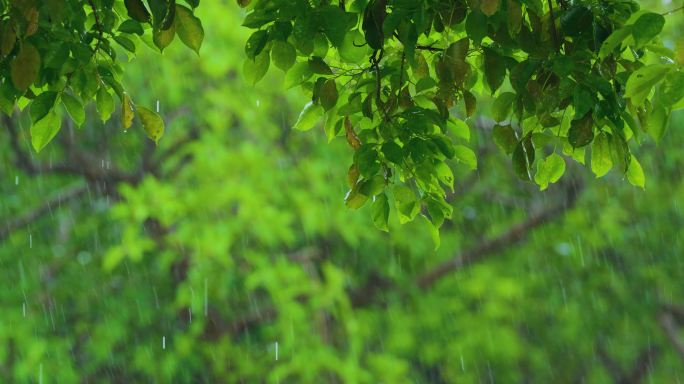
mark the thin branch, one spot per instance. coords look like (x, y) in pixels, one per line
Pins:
(514, 235)
(672, 11)
(554, 32)
(98, 24)
(33, 215)
(667, 323)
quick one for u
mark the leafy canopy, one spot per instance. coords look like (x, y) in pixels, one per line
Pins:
(396, 78)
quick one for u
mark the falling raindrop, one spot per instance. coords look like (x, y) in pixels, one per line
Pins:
(157, 106)
(163, 342)
(30, 241)
(40, 373)
(276, 351)
(258, 102)
(16, 180)
(23, 308)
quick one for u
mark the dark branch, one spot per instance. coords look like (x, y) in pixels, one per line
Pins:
(667, 323)
(512, 236)
(31, 216)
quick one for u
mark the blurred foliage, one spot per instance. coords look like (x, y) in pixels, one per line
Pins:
(226, 254)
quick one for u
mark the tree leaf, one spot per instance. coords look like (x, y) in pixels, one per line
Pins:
(489, 7)
(601, 160)
(614, 41)
(505, 138)
(256, 43)
(549, 171)
(283, 54)
(127, 113)
(581, 131)
(256, 69)
(328, 94)
(380, 212)
(152, 123)
(41, 105)
(523, 158)
(25, 66)
(494, 68)
(501, 107)
(647, 27)
(137, 11)
(641, 81)
(104, 103)
(635, 174)
(189, 28)
(43, 131)
(74, 107)
(162, 38)
(466, 156)
(308, 117)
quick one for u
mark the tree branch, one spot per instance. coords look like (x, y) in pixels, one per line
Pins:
(514, 235)
(31, 216)
(667, 323)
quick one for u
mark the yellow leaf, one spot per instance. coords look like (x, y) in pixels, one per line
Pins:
(127, 113)
(25, 66)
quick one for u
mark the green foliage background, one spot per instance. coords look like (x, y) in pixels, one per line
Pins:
(240, 239)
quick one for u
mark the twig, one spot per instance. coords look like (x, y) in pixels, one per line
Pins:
(98, 24)
(672, 11)
(667, 323)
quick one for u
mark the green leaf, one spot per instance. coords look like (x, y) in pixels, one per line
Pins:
(641, 81)
(308, 117)
(131, 26)
(74, 107)
(459, 128)
(380, 212)
(523, 158)
(104, 103)
(489, 7)
(494, 68)
(476, 26)
(601, 160)
(635, 174)
(656, 123)
(501, 107)
(614, 41)
(256, 69)
(466, 156)
(505, 138)
(189, 28)
(298, 74)
(581, 131)
(42, 104)
(406, 203)
(549, 171)
(355, 199)
(328, 94)
(256, 43)
(137, 11)
(672, 89)
(647, 27)
(125, 42)
(162, 38)
(127, 113)
(283, 54)
(317, 65)
(353, 50)
(43, 131)
(25, 67)
(152, 123)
